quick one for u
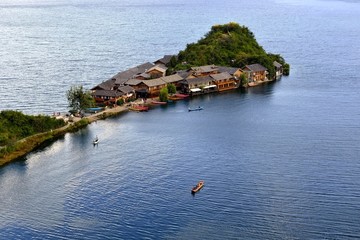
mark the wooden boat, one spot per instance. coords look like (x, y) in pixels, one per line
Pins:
(158, 103)
(179, 95)
(175, 98)
(196, 109)
(139, 108)
(197, 187)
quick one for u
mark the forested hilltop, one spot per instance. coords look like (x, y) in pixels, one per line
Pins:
(227, 45)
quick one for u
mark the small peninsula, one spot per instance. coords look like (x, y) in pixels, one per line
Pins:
(226, 58)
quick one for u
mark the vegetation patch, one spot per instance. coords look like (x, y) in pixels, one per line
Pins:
(227, 45)
(15, 125)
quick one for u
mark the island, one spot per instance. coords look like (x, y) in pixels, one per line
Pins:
(226, 58)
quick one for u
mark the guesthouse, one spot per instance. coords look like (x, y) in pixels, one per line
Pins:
(224, 81)
(200, 85)
(106, 97)
(164, 60)
(203, 71)
(153, 86)
(278, 70)
(138, 71)
(173, 79)
(255, 73)
(156, 71)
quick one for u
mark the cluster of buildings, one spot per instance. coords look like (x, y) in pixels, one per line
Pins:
(146, 80)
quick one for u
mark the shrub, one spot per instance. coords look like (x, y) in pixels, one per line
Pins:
(120, 102)
(164, 95)
(171, 88)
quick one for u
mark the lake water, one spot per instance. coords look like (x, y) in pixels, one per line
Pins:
(280, 161)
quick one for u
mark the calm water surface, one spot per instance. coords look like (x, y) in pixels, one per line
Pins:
(280, 161)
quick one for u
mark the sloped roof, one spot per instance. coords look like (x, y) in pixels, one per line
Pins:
(107, 85)
(122, 77)
(205, 69)
(199, 80)
(277, 65)
(172, 78)
(230, 70)
(256, 67)
(154, 82)
(164, 60)
(158, 68)
(144, 75)
(183, 73)
(221, 76)
(107, 93)
(133, 82)
(126, 89)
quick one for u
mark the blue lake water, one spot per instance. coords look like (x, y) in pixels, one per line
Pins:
(280, 161)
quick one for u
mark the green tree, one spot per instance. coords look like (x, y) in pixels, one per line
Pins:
(243, 80)
(171, 88)
(164, 94)
(79, 99)
(286, 69)
(120, 102)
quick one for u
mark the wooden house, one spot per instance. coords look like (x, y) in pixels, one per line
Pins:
(106, 97)
(224, 81)
(138, 86)
(200, 85)
(153, 86)
(156, 71)
(173, 79)
(184, 74)
(278, 69)
(128, 92)
(203, 71)
(146, 88)
(121, 77)
(255, 73)
(164, 60)
(106, 85)
(235, 72)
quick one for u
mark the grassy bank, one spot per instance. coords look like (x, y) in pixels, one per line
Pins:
(24, 146)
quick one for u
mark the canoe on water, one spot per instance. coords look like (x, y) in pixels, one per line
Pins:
(197, 187)
(196, 109)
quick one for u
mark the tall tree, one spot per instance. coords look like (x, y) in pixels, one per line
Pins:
(171, 88)
(79, 99)
(164, 94)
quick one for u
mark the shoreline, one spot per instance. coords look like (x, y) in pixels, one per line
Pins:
(31, 143)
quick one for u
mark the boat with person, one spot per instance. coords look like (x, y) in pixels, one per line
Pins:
(199, 108)
(198, 186)
(96, 141)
